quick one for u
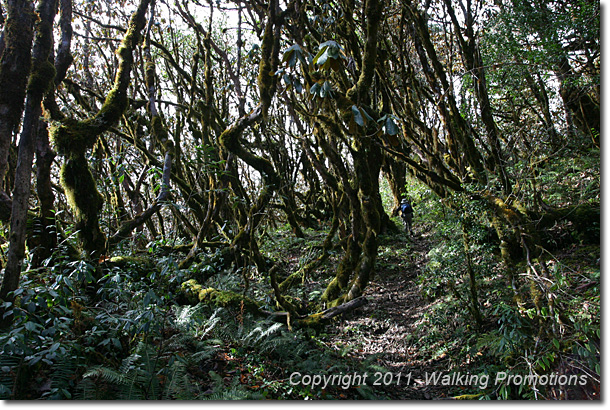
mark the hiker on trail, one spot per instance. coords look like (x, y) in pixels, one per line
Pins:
(406, 212)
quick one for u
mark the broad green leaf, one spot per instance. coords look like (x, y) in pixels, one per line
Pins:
(34, 360)
(291, 55)
(297, 85)
(292, 60)
(357, 116)
(31, 326)
(321, 57)
(323, 90)
(329, 43)
(327, 53)
(542, 364)
(293, 48)
(303, 59)
(390, 126)
(333, 52)
(327, 90)
(367, 117)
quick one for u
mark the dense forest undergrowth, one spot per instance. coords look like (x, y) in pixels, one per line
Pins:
(202, 199)
(128, 338)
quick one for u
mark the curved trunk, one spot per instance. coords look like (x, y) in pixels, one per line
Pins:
(73, 138)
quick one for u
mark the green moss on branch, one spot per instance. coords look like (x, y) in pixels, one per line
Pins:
(41, 79)
(373, 13)
(75, 137)
(195, 293)
(84, 198)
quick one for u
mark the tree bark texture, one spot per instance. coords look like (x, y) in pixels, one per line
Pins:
(41, 78)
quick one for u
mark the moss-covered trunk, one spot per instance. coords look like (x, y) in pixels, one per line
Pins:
(44, 237)
(41, 78)
(395, 173)
(362, 189)
(367, 161)
(84, 198)
(15, 66)
(73, 138)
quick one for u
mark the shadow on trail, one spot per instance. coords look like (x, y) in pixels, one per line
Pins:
(387, 327)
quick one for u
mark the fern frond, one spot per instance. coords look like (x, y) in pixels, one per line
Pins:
(87, 389)
(179, 386)
(8, 362)
(62, 378)
(108, 375)
(204, 354)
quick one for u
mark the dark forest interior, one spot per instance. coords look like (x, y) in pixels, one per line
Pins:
(203, 199)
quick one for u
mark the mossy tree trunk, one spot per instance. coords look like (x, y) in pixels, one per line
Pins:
(395, 173)
(245, 240)
(41, 78)
(160, 133)
(462, 152)
(471, 55)
(366, 164)
(15, 66)
(44, 236)
(357, 266)
(73, 138)
(472, 279)
(582, 103)
(84, 198)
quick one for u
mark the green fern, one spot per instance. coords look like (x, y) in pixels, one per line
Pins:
(135, 379)
(8, 366)
(109, 375)
(263, 333)
(491, 341)
(179, 386)
(233, 392)
(62, 379)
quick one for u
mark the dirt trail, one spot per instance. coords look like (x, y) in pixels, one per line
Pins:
(388, 325)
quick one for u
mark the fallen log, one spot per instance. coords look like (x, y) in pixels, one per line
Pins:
(344, 308)
(320, 318)
(195, 293)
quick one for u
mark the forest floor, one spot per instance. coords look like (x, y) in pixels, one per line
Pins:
(397, 329)
(388, 326)
(411, 328)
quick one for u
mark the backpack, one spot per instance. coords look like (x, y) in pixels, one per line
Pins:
(406, 208)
